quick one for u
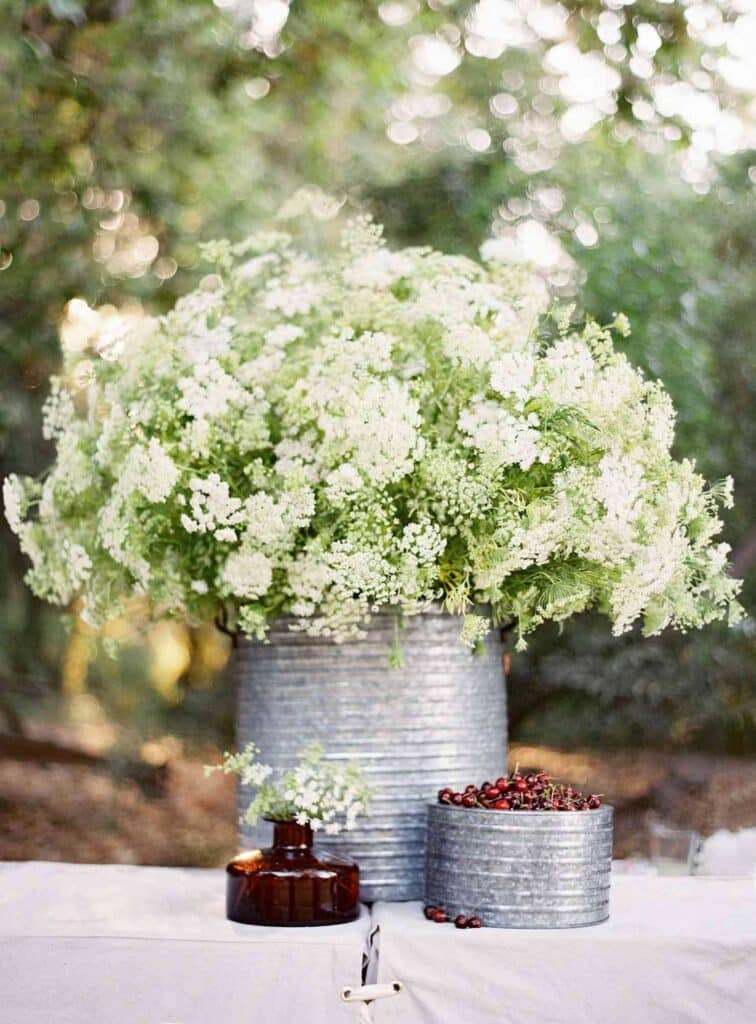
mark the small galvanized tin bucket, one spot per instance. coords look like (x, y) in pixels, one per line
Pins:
(520, 869)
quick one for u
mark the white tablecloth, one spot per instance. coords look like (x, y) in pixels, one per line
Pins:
(92, 944)
(675, 950)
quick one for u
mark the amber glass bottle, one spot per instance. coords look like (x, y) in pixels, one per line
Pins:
(292, 883)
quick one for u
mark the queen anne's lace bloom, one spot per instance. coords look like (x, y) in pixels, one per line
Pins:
(14, 502)
(327, 795)
(323, 437)
(378, 268)
(247, 574)
(212, 508)
(151, 471)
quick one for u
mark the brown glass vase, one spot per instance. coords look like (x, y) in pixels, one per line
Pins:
(292, 884)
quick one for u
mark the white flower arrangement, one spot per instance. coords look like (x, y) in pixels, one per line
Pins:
(324, 437)
(323, 794)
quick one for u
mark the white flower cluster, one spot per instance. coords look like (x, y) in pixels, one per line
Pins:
(247, 574)
(212, 508)
(327, 795)
(321, 437)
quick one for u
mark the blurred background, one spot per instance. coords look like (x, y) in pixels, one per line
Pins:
(609, 142)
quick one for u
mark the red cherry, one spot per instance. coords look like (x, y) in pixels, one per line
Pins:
(429, 911)
(460, 921)
(474, 922)
(530, 791)
(439, 916)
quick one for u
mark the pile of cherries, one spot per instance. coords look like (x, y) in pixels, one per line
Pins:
(534, 791)
(439, 915)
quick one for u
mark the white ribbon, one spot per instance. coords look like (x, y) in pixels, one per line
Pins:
(366, 994)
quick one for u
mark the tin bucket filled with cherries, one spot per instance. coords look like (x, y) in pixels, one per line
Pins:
(520, 852)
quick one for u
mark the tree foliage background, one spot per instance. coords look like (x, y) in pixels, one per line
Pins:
(606, 140)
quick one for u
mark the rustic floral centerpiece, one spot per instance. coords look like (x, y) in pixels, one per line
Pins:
(340, 449)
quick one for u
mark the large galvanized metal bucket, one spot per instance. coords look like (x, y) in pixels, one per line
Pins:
(520, 869)
(440, 720)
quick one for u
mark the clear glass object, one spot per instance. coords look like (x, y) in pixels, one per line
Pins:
(674, 851)
(292, 884)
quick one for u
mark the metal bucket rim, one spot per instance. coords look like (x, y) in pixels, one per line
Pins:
(378, 615)
(484, 811)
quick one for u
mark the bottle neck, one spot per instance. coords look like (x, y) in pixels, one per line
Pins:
(290, 835)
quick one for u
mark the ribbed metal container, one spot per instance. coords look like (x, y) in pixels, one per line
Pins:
(520, 869)
(440, 720)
